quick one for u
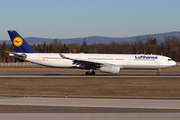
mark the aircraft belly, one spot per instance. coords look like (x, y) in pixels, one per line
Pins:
(52, 62)
(141, 65)
(147, 66)
(57, 62)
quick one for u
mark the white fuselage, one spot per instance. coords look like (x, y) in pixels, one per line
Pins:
(125, 61)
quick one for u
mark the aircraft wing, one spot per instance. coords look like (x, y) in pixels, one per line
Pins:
(84, 62)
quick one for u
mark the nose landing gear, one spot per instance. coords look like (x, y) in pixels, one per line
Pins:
(158, 73)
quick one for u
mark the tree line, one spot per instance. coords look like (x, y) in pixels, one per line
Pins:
(170, 47)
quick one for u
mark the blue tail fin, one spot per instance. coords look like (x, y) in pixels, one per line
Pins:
(20, 45)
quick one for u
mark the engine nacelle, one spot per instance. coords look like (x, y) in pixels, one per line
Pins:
(110, 69)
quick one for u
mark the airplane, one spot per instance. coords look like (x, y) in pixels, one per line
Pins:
(108, 63)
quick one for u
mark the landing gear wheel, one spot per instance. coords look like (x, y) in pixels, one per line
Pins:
(90, 73)
(158, 73)
(93, 73)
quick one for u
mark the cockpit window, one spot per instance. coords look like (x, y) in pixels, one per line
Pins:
(169, 59)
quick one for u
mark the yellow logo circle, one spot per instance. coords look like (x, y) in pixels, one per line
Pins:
(17, 41)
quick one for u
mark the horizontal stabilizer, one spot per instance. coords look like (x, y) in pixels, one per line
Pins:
(17, 55)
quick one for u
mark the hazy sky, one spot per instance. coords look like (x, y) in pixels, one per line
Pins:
(83, 18)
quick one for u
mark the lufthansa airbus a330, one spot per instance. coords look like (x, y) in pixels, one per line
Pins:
(109, 63)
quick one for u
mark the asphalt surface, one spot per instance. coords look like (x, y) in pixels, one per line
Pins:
(89, 116)
(90, 76)
(84, 108)
(91, 102)
(68, 109)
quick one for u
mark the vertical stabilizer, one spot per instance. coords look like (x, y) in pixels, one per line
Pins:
(20, 45)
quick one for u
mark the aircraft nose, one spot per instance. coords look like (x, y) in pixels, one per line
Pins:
(174, 63)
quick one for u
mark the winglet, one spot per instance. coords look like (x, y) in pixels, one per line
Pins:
(20, 45)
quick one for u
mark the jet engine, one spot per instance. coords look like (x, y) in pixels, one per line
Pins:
(110, 69)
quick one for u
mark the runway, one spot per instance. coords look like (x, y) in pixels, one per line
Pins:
(84, 108)
(88, 109)
(89, 76)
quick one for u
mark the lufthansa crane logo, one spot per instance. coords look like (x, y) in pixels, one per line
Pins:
(17, 41)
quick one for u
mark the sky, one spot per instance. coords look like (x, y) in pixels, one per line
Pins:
(83, 18)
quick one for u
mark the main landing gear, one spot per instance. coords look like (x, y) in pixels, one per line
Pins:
(158, 73)
(91, 72)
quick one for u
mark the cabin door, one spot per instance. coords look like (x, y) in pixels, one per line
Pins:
(128, 60)
(160, 61)
(40, 58)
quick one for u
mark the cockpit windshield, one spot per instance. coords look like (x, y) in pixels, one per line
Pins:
(170, 60)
